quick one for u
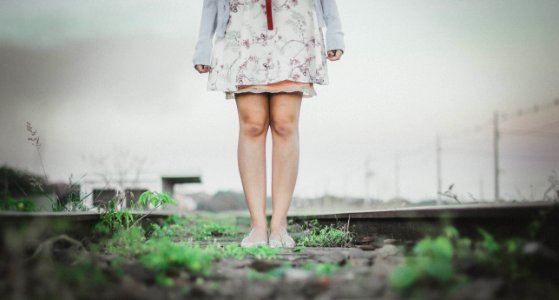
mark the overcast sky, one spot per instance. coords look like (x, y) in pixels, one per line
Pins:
(106, 76)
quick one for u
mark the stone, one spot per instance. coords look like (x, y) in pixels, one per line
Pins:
(297, 275)
(332, 257)
(387, 250)
(264, 265)
(359, 253)
(389, 241)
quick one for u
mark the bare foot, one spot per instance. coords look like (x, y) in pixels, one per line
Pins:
(256, 236)
(280, 238)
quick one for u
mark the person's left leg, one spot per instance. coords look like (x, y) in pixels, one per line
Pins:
(284, 124)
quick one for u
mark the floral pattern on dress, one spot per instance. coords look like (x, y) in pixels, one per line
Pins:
(249, 53)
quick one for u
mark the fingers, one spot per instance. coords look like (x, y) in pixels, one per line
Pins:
(335, 54)
(202, 68)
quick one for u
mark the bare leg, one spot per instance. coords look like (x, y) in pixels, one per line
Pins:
(284, 114)
(253, 110)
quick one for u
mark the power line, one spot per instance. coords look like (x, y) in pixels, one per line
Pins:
(532, 134)
(461, 133)
(494, 123)
(536, 108)
(497, 133)
(496, 136)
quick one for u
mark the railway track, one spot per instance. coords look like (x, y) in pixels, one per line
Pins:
(370, 229)
(409, 223)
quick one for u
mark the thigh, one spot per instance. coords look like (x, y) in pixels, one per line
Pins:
(253, 107)
(285, 107)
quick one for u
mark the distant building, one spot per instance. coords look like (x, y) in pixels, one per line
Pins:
(97, 192)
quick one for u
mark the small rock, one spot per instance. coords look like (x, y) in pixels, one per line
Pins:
(389, 241)
(332, 257)
(480, 289)
(297, 275)
(356, 262)
(365, 240)
(387, 250)
(367, 247)
(264, 265)
(359, 253)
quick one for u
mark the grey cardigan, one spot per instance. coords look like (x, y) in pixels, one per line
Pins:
(215, 15)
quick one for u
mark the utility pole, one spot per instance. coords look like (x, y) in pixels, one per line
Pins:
(439, 175)
(397, 174)
(481, 189)
(496, 153)
(368, 176)
(346, 196)
(326, 185)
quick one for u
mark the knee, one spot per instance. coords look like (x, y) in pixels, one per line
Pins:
(254, 128)
(284, 127)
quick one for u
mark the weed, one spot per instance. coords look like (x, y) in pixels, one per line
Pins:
(259, 252)
(271, 275)
(114, 219)
(326, 269)
(163, 254)
(163, 280)
(127, 242)
(552, 192)
(72, 201)
(200, 227)
(324, 236)
(447, 259)
(159, 250)
(22, 204)
(83, 274)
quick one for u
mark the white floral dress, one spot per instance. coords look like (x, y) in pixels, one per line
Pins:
(252, 58)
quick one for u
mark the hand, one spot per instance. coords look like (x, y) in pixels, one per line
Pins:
(202, 68)
(335, 54)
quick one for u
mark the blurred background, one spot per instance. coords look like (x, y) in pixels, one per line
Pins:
(434, 102)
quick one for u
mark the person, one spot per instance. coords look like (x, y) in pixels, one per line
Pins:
(267, 55)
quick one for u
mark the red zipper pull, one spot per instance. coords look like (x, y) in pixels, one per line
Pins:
(269, 14)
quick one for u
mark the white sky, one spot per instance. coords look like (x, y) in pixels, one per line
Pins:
(99, 77)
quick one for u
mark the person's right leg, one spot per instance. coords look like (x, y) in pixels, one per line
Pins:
(254, 120)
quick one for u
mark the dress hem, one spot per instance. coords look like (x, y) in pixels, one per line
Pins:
(308, 92)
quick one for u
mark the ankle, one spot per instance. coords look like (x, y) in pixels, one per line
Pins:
(278, 228)
(259, 227)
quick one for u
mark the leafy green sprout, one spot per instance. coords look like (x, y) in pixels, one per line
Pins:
(114, 219)
(324, 236)
(439, 259)
(161, 254)
(196, 228)
(326, 269)
(14, 204)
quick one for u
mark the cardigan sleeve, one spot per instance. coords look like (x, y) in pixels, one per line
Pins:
(208, 24)
(334, 32)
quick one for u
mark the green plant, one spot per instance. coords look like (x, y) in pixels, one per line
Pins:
(271, 275)
(324, 236)
(83, 274)
(206, 231)
(326, 269)
(446, 259)
(236, 251)
(430, 260)
(130, 242)
(163, 254)
(72, 201)
(22, 204)
(114, 219)
(156, 249)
